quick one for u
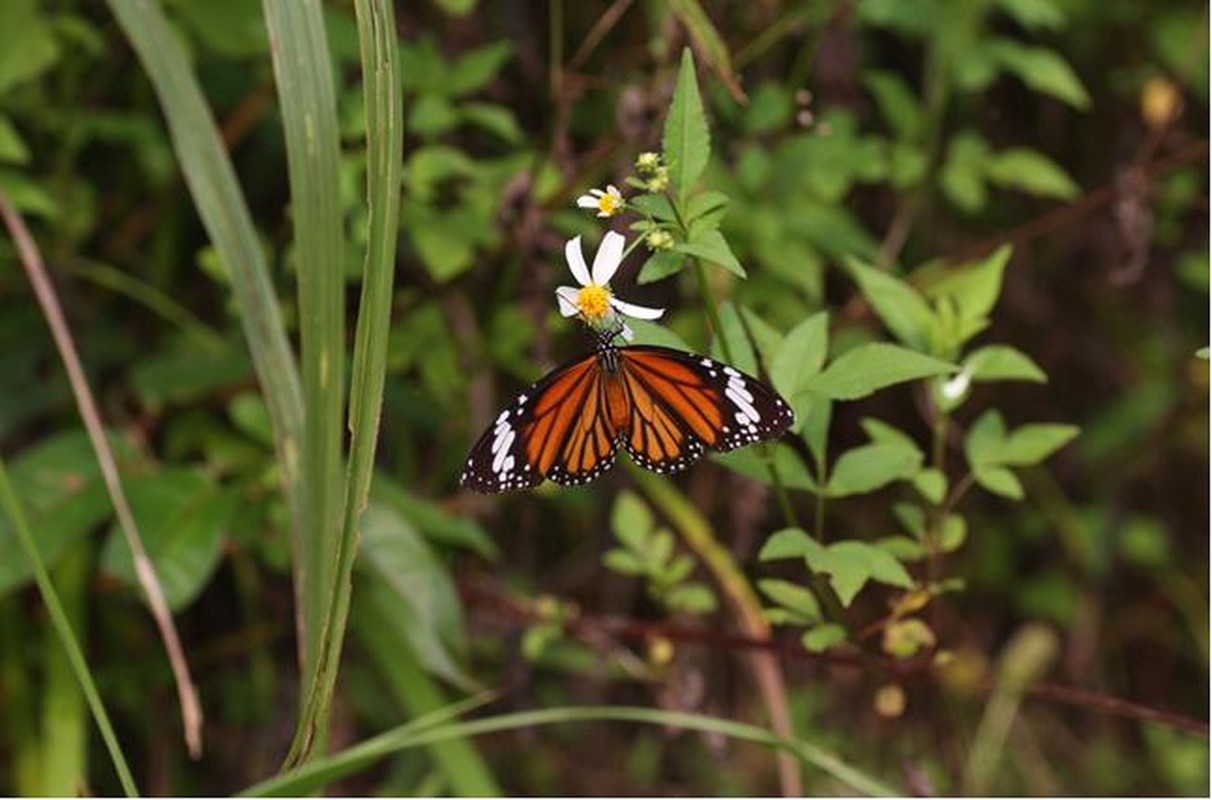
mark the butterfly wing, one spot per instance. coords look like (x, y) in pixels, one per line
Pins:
(558, 429)
(683, 404)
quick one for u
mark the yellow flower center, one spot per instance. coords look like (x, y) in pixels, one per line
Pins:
(594, 302)
(608, 204)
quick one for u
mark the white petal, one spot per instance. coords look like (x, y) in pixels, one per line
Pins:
(587, 201)
(567, 298)
(576, 260)
(632, 310)
(609, 256)
(614, 190)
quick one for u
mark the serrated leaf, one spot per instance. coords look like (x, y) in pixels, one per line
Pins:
(655, 205)
(1030, 171)
(869, 467)
(898, 305)
(711, 245)
(686, 141)
(871, 367)
(998, 480)
(1033, 443)
(801, 354)
(823, 637)
(1002, 363)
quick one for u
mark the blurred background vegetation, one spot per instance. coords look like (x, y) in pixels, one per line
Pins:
(902, 134)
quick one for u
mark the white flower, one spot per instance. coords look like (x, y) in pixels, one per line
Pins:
(608, 203)
(593, 300)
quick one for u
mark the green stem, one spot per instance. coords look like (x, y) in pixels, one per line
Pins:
(16, 515)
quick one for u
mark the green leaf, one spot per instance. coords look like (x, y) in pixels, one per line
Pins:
(801, 354)
(870, 367)
(1030, 171)
(60, 487)
(1034, 14)
(823, 637)
(984, 438)
(182, 518)
(706, 37)
(1033, 443)
(751, 462)
(624, 562)
(12, 146)
(851, 564)
(711, 245)
(691, 598)
(631, 520)
(998, 480)
(1041, 69)
(27, 43)
(932, 484)
(883, 433)
(897, 103)
(1002, 363)
(974, 287)
(660, 265)
(439, 525)
(793, 597)
(656, 205)
(900, 306)
(732, 331)
(652, 333)
(234, 29)
(953, 533)
(788, 543)
(813, 414)
(686, 141)
(403, 574)
(474, 71)
(869, 467)
(962, 176)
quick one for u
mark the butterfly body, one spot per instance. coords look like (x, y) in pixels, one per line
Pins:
(666, 407)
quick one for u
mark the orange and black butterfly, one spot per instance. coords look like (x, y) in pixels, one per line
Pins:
(666, 407)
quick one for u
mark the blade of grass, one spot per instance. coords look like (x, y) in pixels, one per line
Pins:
(460, 763)
(58, 617)
(212, 183)
(322, 771)
(384, 135)
(64, 730)
(303, 72)
(31, 260)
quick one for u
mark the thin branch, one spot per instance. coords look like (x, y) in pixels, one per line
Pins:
(31, 259)
(519, 611)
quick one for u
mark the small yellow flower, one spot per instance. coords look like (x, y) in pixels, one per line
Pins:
(659, 240)
(608, 202)
(659, 181)
(648, 163)
(593, 301)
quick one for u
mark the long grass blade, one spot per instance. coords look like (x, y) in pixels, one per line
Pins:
(303, 71)
(322, 771)
(212, 183)
(31, 260)
(384, 136)
(63, 628)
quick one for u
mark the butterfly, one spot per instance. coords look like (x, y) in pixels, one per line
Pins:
(666, 407)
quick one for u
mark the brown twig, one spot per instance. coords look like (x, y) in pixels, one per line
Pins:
(519, 611)
(31, 259)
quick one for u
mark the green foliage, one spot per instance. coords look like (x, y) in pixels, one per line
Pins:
(649, 552)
